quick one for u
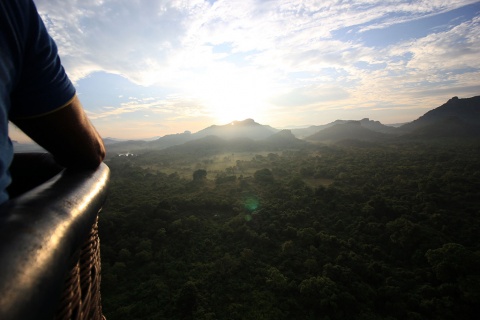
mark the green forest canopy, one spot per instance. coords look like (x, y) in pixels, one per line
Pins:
(377, 232)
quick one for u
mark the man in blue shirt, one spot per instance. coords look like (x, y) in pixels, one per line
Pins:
(37, 96)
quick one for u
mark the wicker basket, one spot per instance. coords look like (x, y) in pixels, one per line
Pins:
(81, 295)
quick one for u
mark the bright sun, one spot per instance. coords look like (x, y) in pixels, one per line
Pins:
(236, 100)
(233, 94)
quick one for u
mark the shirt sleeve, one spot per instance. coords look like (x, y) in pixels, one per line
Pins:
(42, 85)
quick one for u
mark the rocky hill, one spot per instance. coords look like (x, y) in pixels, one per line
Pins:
(352, 130)
(238, 129)
(466, 110)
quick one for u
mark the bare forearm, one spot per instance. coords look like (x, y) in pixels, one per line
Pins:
(68, 135)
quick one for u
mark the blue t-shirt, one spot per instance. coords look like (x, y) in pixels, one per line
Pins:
(32, 79)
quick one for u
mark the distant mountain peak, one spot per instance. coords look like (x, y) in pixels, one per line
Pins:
(449, 127)
(465, 109)
(283, 134)
(246, 122)
(247, 128)
(351, 129)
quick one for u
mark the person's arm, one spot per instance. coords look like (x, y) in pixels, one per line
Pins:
(68, 135)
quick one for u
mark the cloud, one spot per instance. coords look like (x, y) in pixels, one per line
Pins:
(170, 107)
(141, 39)
(419, 71)
(311, 95)
(457, 48)
(304, 53)
(395, 12)
(124, 37)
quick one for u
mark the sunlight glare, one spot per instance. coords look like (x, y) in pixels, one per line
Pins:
(231, 94)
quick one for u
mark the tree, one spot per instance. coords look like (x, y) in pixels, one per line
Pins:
(199, 175)
(187, 299)
(453, 261)
(263, 176)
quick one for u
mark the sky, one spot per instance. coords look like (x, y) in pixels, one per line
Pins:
(148, 68)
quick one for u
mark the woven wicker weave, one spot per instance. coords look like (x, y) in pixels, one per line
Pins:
(81, 295)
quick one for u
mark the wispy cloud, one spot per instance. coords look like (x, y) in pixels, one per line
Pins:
(139, 38)
(172, 106)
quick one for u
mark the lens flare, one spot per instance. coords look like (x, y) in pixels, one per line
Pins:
(251, 203)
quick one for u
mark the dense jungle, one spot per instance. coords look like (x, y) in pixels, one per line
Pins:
(341, 231)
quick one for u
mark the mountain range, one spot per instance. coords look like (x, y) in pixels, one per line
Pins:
(457, 118)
